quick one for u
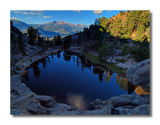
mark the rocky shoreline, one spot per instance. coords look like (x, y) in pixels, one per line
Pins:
(26, 102)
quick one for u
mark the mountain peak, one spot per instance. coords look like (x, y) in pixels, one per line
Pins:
(54, 22)
(61, 21)
(51, 28)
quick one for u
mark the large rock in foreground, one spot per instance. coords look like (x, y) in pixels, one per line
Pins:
(123, 105)
(139, 74)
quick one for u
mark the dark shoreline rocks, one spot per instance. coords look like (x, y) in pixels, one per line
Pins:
(125, 105)
(139, 74)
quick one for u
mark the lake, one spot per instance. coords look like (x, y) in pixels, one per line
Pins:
(74, 80)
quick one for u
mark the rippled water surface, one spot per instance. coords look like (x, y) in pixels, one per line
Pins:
(72, 79)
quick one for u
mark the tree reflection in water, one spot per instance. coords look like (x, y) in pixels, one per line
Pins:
(36, 70)
(77, 61)
(66, 57)
(121, 81)
(108, 75)
(100, 72)
(52, 56)
(83, 63)
(59, 54)
(73, 59)
(44, 62)
(128, 86)
(25, 76)
(35, 67)
(123, 84)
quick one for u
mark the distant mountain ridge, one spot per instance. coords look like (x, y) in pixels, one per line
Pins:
(20, 25)
(50, 29)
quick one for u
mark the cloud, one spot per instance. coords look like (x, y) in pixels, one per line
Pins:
(98, 12)
(77, 11)
(29, 12)
(13, 18)
(47, 16)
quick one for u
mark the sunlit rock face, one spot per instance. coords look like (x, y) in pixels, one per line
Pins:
(140, 91)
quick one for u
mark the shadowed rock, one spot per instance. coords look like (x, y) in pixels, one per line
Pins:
(139, 74)
(46, 101)
(122, 105)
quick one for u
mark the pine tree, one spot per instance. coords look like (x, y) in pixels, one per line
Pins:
(32, 35)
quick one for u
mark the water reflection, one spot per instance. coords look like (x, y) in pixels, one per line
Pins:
(83, 63)
(52, 56)
(100, 72)
(77, 100)
(44, 62)
(66, 56)
(73, 59)
(59, 54)
(25, 76)
(36, 70)
(127, 86)
(106, 77)
(122, 82)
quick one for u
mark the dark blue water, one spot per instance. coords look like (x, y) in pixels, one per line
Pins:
(72, 79)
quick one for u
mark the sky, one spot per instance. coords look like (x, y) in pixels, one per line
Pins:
(85, 17)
